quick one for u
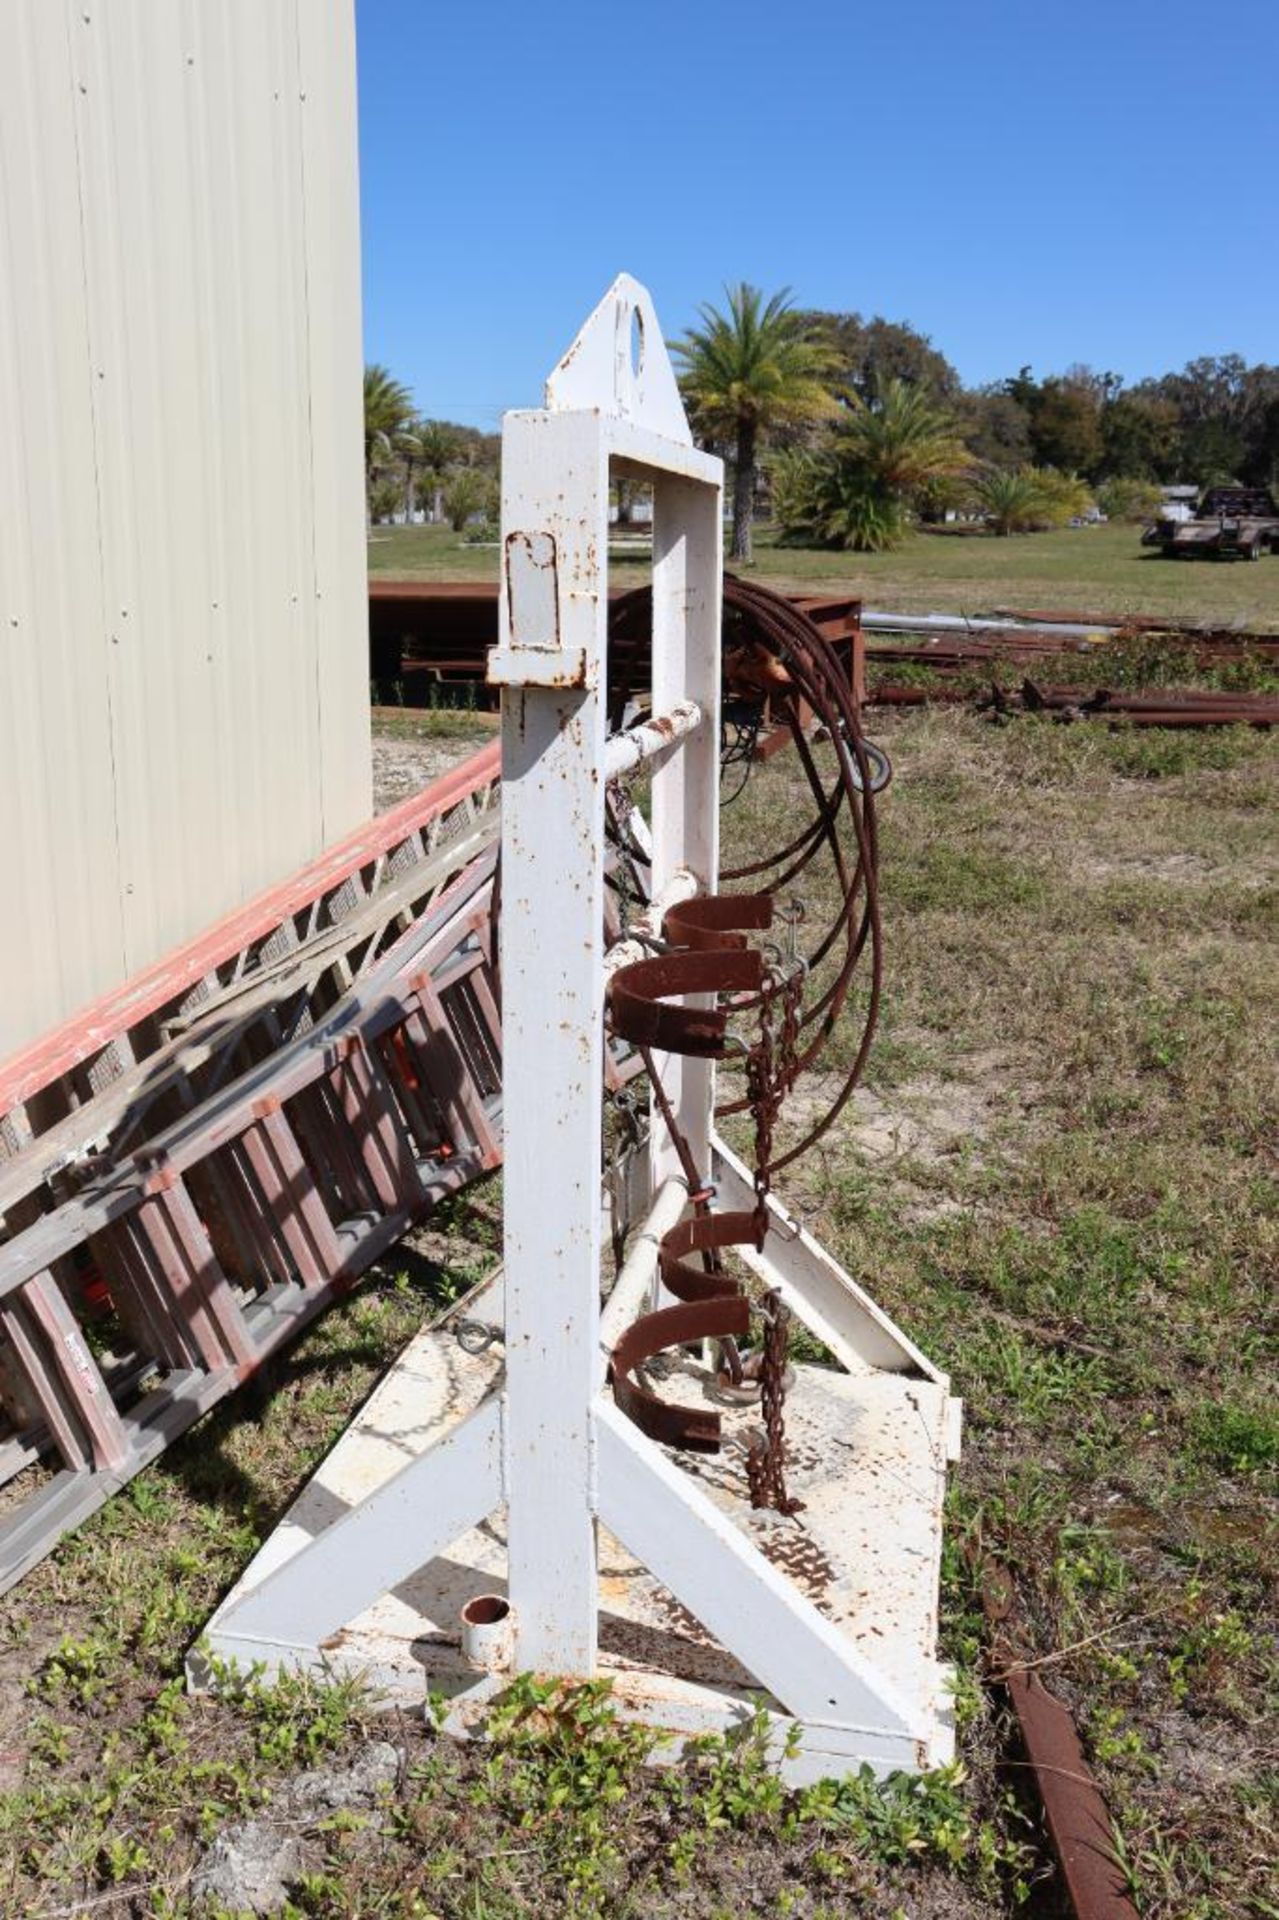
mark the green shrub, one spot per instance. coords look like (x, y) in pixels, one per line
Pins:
(857, 490)
(1127, 499)
(469, 493)
(1029, 499)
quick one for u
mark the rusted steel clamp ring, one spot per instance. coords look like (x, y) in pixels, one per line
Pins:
(717, 922)
(709, 956)
(709, 1233)
(639, 996)
(713, 1307)
(696, 1429)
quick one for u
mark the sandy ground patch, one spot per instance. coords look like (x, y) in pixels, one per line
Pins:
(402, 767)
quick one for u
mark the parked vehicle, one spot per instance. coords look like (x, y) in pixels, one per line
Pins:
(1230, 523)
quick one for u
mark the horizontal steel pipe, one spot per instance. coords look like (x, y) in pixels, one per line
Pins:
(632, 1290)
(682, 885)
(624, 752)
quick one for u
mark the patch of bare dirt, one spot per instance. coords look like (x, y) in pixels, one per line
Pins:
(926, 1119)
(916, 1130)
(402, 768)
(1178, 869)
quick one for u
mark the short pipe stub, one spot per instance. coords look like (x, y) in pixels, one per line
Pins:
(486, 1631)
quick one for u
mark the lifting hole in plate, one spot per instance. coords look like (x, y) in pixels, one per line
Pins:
(637, 342)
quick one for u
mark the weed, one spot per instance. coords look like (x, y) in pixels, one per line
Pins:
(81, 1672)
(1238, 1439)
(296, 1716)
(577, 1762)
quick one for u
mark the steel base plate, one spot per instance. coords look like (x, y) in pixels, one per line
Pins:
(866, 1454)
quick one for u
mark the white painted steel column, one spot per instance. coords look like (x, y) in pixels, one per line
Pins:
(688, 545)
(553, 609)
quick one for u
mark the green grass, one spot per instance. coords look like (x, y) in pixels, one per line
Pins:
(469, 728)
(1084, 569)
(1081, 1003)
(1081, 931)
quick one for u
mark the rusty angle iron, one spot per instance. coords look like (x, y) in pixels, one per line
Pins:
(1083, 1833)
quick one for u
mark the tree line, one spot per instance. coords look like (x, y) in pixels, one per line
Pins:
(411, 464)
(847, 430)
(853, 428)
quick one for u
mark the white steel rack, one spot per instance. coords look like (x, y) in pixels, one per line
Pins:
(481, 1519)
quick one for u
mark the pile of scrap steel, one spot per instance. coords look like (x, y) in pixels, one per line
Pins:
(1025, 646)
(1170, 707)
(953, 661)
(1137, 623)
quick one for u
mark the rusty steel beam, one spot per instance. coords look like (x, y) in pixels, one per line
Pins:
(1079, 1822)
(443, 629)
(1164, 708)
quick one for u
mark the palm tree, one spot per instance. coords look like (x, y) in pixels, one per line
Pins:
(1025, 498)
(745, 373)
(388, 412)
(438, 449)
(900, 439)
(1008, 498)
(858, 489)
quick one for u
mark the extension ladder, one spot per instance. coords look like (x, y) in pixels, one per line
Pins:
(194, 1168)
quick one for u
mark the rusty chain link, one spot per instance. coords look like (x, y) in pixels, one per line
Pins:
(766, 1457)
(770, 1073)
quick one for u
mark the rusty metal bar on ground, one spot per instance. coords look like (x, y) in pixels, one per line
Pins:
(1083, 1833)
(1182, 707)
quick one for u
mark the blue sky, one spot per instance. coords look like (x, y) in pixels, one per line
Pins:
(1035, 183)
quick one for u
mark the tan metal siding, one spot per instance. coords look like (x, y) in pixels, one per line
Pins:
(183, 700)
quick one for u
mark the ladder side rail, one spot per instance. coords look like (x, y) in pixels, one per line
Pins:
(380, 1003)
(91, 1031)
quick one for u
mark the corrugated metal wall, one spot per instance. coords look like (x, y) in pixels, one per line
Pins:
(183, 655)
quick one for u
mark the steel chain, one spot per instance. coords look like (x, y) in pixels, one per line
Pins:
(766, 1459)
(771, 1071)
